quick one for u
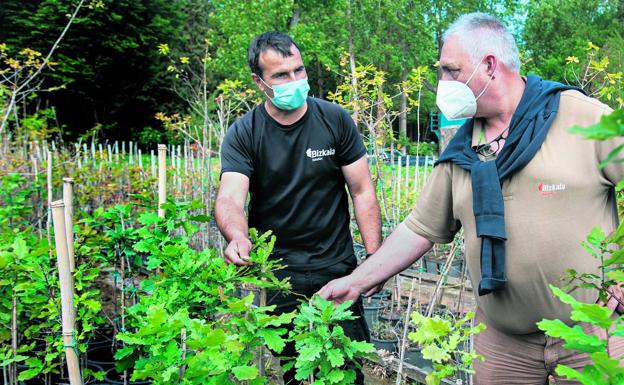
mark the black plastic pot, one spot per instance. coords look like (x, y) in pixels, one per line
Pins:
(455, 269)
(413, 356)
(391, 318)
(432, 265)
(372, 311)
(389, 345)
(381, 295)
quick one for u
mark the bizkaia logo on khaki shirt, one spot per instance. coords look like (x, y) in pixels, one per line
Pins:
(550, 189)
(319, 154)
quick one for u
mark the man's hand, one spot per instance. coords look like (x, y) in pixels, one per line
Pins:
(237, 252)
(340, 290)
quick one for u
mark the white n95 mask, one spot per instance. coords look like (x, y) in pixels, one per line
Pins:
(456, 100)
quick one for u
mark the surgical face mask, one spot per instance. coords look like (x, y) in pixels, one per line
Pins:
(289, 96)
(456, 100)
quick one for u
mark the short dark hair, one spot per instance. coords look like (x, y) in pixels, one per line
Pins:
(277, 41)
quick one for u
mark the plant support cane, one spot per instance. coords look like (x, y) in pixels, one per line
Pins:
(67, 293)
(68, 201)
(162, 178)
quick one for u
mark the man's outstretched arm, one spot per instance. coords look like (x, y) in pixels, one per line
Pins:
(230, 216)
(400, 250)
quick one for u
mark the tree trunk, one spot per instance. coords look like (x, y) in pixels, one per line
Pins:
(352, 58)
(295, 17)
(319, 78)
(403, 111)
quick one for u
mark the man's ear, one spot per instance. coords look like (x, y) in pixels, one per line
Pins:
(257, 81)
(492, 63)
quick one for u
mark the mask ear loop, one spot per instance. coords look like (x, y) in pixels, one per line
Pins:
(265, 83)
(486, 86)
(473, 73)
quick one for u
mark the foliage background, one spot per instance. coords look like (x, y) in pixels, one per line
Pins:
(109, 79)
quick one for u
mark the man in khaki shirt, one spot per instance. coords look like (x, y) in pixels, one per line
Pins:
(549, 205)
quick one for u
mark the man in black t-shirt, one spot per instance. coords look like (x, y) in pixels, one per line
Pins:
(294, 155)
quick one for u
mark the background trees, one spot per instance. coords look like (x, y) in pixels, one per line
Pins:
(109, 80)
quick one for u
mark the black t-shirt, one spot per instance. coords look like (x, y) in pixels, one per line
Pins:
(296, 184)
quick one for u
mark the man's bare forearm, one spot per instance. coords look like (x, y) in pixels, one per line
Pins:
(368, 218)
(231, 219)
(400, 250)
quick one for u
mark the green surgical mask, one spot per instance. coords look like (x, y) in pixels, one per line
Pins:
(289, 96)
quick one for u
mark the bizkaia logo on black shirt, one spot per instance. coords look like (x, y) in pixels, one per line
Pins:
(319, 154)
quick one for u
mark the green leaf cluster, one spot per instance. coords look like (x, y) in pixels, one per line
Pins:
(324, 349)
(441, 338)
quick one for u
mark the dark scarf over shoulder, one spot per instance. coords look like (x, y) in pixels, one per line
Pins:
(529, 125)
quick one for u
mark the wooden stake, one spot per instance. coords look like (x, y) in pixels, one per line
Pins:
(407, 178)
(404, 338)
(49, 186)
(38, 207)
(416, 174)
(13, 367)
(68, 201)
(398, 198)
(162, 178)
(67, 293)
(183, 348)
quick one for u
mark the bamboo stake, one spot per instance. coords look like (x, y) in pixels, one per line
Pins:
(398, 200)
(38, 208)
(38, 151)
(13, 367)
(185, 170)
(262, 303)
(49, 187)
(416, 174)
(162, 178)
(67, 300)
(183, 348)
(68, 201)
(178, 169)
(441, 280)
(123, 294)
(404, 337)
(407, 177)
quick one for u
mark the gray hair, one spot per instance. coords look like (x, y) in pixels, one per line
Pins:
(480, 33)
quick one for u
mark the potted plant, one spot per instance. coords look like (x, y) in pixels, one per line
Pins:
(384, 336)
(374, 304)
